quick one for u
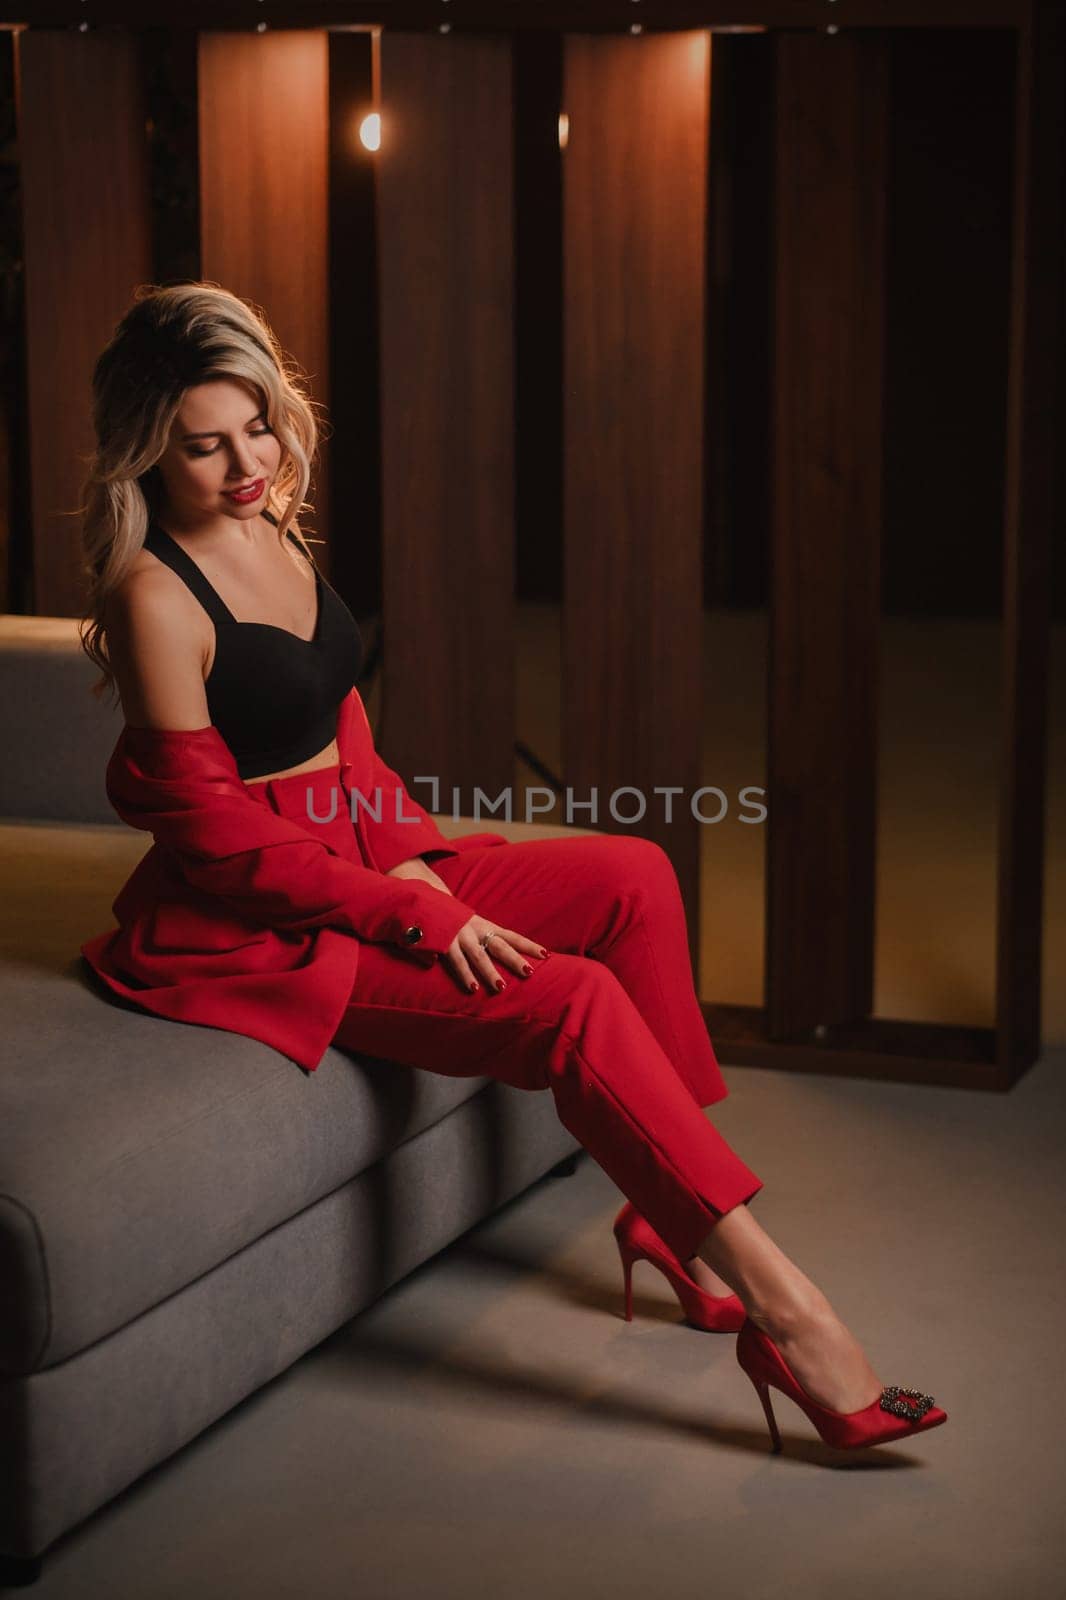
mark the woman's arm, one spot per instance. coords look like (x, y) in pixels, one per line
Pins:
(183, 787)
(419, 868)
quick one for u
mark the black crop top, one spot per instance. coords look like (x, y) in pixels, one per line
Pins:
(272, 695)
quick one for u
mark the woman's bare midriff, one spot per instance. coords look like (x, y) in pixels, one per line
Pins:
(312, 764)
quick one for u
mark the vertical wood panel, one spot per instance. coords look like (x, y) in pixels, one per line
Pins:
(635, 188)
(538, 318)
(447, 409)
(84, 162)
(264, 145)
(948, 270)
(830, 198)
(1033, 507)
(14, 455)
(355, 466)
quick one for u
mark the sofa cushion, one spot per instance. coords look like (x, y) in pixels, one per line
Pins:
(137, 1153)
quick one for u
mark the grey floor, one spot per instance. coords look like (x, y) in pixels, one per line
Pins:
(493, 1426)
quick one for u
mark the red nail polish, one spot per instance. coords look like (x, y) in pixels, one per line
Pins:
(528, 971)
(500, 985)
(473, 986)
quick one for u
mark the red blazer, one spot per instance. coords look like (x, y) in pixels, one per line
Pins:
(238, 917)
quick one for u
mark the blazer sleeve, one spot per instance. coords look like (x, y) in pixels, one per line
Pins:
(184, 788)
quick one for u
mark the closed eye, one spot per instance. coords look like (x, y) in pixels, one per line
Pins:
(256, 434)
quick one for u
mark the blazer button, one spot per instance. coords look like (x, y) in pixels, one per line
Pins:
(412, 934)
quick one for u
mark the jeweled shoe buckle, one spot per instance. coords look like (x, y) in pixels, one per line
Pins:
(909, 1403)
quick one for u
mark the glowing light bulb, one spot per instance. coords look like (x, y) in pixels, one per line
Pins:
(370, 131)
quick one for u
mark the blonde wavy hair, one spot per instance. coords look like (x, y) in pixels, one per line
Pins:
(170, 339)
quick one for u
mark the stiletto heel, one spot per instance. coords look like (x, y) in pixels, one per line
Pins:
(771, 1421)
(638, 1241)
(627, 1274)
(895, 1414)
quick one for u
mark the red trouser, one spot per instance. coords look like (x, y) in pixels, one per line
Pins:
(610, 1022)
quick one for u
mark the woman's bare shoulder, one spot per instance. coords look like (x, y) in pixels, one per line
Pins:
(149, 596)
(157, 647)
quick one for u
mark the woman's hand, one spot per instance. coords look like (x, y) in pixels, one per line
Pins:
(471, 961)
(417, 868)
(466, 957)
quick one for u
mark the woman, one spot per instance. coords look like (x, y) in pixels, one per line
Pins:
(267, 908)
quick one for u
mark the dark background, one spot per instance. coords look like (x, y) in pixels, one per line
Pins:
(949, 209)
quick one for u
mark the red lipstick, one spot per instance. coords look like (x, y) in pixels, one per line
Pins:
(244, 497)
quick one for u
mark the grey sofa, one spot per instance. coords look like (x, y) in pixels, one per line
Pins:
(183, 1213)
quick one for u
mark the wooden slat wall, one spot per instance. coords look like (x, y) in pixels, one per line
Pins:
(355, 463)
(1033, 510)
(635, 190)
(831, 147)
(14, 530)
(264, 158)
(579, 15)
(84, 178)
(447, 411)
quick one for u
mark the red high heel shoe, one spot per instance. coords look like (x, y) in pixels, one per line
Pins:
(638, 1241)
(895, 1414)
